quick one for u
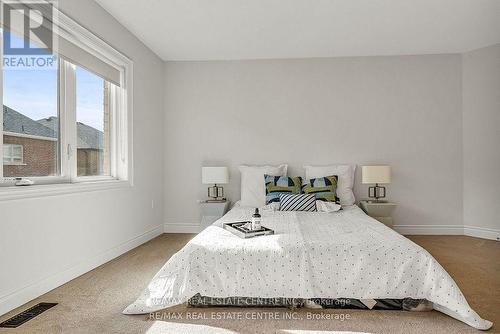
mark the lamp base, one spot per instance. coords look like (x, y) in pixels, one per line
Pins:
(216, 193)
(376, 192)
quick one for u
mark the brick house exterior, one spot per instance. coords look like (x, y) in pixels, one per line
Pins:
(38, 140)
(89, 162)
(39, 157)
(90, 143)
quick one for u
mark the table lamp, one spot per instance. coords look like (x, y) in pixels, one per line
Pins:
(215, 176)
(377, 175)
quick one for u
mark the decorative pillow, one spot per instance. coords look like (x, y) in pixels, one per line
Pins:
(323, 188)
(298, 202)
(276, 185)
(345, 175)
(253, 187)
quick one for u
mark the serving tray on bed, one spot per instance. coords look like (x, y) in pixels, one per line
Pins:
(239, 229)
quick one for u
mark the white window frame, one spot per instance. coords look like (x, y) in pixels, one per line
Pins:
(11, 162)
(120, 122)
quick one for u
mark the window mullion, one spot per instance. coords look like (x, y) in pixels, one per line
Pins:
(1, 101)
(113, 145)
(68, 120)
(121, 133)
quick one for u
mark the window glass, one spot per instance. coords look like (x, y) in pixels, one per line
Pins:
(30, 120)
(64, 100)
(93, 124)
(12, 154)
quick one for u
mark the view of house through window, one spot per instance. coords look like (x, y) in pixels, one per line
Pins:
(60, 101)
(93, 124)
(30, 99)
(31, 123)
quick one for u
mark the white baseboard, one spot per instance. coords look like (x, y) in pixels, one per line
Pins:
(181, 228)
(17, 298)
(430, 229)
(472, 231)
(482, 232)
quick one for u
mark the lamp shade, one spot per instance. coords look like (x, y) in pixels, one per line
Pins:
(376, 174)
(214, 175)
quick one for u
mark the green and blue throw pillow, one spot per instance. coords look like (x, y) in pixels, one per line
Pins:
(324, 188)
(276, 185)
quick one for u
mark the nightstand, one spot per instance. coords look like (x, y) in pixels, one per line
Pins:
(211, 211)
(380, 211)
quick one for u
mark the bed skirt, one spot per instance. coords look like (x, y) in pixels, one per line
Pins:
(406, 304)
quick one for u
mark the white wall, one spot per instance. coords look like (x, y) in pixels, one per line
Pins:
(47, 241)
(481, 140)
(404, 111)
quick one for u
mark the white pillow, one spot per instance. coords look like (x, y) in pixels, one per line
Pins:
(253, 186)
(346, 179)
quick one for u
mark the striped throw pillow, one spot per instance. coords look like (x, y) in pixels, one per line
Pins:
(277, 185)
(299, 202)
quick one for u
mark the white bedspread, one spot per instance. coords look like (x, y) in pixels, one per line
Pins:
(344, 254)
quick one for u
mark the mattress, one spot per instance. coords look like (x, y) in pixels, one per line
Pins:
(344, 254)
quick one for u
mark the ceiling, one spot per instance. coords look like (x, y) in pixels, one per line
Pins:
(257, 29)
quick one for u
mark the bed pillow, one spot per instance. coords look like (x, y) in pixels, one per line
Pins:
(323, 188)
(300, 202)
(345, 174)
(276, 185)
(253, 187)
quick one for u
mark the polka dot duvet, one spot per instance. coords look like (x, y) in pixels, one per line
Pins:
(343, 254)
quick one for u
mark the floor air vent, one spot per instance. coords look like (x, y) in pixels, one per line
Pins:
(29, 314)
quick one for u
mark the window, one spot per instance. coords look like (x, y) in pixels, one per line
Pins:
(30, 118)
(12, 154)
(68, 120)
(92, 124)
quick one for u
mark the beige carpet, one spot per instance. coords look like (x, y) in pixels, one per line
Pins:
(93, 302)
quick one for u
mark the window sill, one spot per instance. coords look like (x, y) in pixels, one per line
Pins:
(14, 164)
(44, 190)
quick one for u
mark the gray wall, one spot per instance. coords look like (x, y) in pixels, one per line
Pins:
(481, 136)
(403, 111)
(47, 241)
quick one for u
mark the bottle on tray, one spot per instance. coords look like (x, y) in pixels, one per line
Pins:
(256, 220)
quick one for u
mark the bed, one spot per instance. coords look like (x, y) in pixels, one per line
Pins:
(344, 254)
